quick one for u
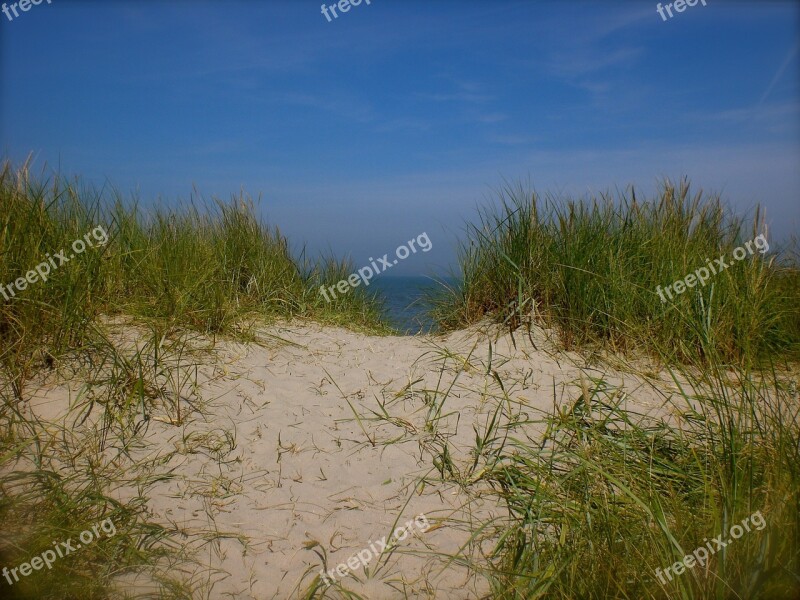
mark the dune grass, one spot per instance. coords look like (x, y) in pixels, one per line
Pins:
(608, 499)
(590, 270)
(57, 479)
(601, 496)
(214, 270)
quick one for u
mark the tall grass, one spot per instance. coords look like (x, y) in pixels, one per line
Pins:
(590, 269)
(601, 495)
(211, 269)
(607, 498)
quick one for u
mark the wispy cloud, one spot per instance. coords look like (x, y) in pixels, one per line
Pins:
(346, 106)
(468, 97)
(770, 118)
(591, 53)
(491, 118)
(781, 70)
(511, 139)
(587, 59)
(404, 124)
(472, 104)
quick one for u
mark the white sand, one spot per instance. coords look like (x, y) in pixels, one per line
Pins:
(280, 467)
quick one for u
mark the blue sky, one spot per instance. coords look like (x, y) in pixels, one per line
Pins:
(403, 116)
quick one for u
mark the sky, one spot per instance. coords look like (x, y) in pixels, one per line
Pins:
(400, 117)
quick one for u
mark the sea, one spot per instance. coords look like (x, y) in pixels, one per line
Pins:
(404, 306)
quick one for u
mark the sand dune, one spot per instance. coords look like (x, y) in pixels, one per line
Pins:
(319, 442)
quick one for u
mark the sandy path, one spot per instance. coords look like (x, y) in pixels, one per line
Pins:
(278, 464)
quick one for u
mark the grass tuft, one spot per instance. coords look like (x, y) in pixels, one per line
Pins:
(590, 270)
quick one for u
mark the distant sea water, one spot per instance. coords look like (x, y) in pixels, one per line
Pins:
(404, 306)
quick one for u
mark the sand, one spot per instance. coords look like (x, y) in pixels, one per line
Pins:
(274, 472)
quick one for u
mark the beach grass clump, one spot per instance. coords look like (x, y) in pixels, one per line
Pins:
(358, 308)
(95, 464)
(592, 270)
(45, 510)
(605, 498)
(609, 500)
(210, 267)
(70, 490)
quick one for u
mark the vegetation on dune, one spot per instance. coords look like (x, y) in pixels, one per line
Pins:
(593, 508)
(608, 499)
(608, 496)
(601, 496)
(210, 271)
(591, 269)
